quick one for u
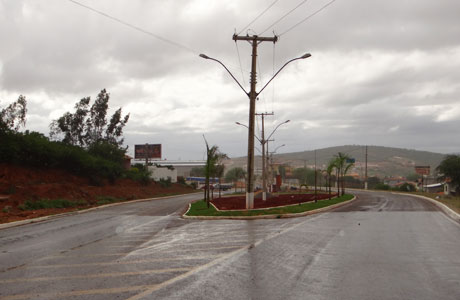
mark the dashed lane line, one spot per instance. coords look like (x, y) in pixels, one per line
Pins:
(187, 244)
(102, 275)
(127, 262)
(143, 254)
(60, 295)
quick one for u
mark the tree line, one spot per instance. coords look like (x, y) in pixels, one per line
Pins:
(85, 141)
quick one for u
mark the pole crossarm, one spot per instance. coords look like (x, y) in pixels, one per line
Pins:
(254, 38)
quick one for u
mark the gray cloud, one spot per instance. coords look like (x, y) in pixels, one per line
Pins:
(381, 73)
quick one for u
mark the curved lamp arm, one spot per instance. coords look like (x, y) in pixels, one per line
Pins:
(287, 121)
(238, 123)
(218, 61)
(306, 55)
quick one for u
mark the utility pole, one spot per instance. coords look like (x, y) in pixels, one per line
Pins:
(263, 142)
(268, 167)
(316, 193)
(365, 172)
(254, 41)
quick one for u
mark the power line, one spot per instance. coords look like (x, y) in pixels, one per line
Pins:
(284, 16)
(135, 27)
(256, 18)
(239, 59)
(307, 18)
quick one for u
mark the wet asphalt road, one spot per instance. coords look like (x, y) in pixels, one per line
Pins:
(382, 246)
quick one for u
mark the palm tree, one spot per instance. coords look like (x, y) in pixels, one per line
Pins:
(343, 164)
(213, 158)
(330, 167)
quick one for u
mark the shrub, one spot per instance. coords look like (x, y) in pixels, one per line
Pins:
(181, 179)
(407, 187)
(108, 199)
(50, 203)
(382, 186)
(34, 149)
(140, 175)
(165, 182)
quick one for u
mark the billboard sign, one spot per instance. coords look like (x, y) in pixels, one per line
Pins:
(422, 170)
(147, 151)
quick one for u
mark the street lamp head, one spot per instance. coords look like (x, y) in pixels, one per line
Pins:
(204, 56)
(287, 121)
(238, 123)
(306, 55)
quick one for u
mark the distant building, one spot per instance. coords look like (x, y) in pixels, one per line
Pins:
(394, 181)
(163, 172)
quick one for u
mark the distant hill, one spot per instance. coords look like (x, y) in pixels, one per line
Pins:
(382, 161)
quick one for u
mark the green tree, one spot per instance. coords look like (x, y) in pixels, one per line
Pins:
(449, 169)
(89, 125)
(304, 175)
(234, 175)
(14, 115)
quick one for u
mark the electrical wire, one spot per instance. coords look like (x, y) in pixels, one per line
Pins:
(239, 59)
(308, 17)
(284, 16)
(135, 27)
(261, 96)
(256, 18)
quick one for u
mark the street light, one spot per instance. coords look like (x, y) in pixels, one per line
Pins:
(264, 171)
(252, 94)
(271, 164)
(238, 123)
(265, 156)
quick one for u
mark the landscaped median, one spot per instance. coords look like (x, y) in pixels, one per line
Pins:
(199, 210)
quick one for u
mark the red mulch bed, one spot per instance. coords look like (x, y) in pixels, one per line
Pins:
(239, 202)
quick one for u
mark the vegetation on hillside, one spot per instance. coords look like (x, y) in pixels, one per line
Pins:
(84, 142)
(449, 169)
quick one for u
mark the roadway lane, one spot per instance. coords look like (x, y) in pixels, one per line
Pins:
(382, 246)
(23, 244)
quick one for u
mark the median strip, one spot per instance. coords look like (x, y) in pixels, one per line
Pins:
(199, 210)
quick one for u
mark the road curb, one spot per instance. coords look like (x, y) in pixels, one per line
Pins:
(45, 218)
(447, 210)
(295, 215)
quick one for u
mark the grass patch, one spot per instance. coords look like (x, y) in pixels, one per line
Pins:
(50, 203)
(101, 200)
(451, 201)
(199, 208)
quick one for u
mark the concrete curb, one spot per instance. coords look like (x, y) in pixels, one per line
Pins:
(307, 213)
(445, 209)
(50, 217)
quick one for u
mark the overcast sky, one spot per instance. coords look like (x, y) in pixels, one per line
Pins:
(381, 72)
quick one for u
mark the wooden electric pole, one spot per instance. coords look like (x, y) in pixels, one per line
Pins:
(263, 142)
(254, 41)
(365, 171)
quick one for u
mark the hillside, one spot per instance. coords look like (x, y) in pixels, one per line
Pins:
(382, 161)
